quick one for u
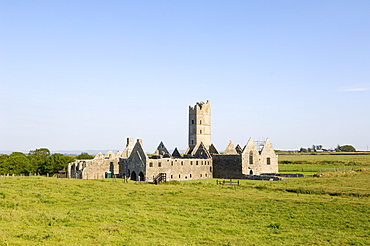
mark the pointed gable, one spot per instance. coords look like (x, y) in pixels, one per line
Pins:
(161, 150)
(213, 150)
(200, 151)
(238, 149)
(138, 154)
(267, 148)
(250, 146)
(176, 153)
(99, 156)
(230, 150)
(109, 155)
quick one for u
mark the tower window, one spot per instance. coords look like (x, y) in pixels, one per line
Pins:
(192, 122)
(268, 160)
(200, 122)
(251, 157)
(200, 131)
(192, 141)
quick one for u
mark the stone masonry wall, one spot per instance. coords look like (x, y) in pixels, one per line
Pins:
(227, 166)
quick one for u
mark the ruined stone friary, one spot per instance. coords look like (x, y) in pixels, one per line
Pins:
(201, 160)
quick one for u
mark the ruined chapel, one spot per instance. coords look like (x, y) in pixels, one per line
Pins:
(201, 160)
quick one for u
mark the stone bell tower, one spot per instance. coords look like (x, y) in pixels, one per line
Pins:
(200, 124)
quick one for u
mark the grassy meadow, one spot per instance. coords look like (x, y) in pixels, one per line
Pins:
(310, 164)
(329, 210)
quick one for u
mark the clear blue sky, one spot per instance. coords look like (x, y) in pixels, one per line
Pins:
(78, 75)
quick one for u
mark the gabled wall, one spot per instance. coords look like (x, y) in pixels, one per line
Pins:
(196, 166)
(135, 165)
(271, 165)
(250, 159)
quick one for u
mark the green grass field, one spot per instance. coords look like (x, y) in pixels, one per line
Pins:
(329, 210)
(309, 164)
(304, 211)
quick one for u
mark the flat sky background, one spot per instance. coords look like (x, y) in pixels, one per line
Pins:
(85, 75)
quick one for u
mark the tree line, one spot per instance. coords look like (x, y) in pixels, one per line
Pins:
(343, 148)
(39, 161)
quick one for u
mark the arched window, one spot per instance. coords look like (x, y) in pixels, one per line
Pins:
(251, 157)
(268, 160)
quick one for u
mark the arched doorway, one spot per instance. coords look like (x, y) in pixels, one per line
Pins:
(251, 172)
(141, 176)
(133, 176)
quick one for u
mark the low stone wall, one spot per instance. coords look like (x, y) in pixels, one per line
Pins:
(263, 177)
(288, 175)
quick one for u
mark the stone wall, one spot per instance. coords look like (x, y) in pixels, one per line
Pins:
(227, 166)
(175, 168)
(93, 169)
(180, 169)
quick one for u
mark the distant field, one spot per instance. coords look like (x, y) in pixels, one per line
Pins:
(303, 211)
(310, 164)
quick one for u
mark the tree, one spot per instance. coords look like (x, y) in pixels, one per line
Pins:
(347, 148)
(84, 156)
(56, 162)
(38, 157)
(337, 149)
(303, 150)
(16, 163)
(3, 157)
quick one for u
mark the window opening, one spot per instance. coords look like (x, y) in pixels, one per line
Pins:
(251, 157)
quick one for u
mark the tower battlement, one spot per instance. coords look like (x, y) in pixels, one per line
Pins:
(200, 106)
